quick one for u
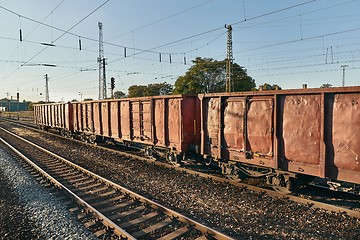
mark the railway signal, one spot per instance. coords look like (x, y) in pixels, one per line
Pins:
(112, 86)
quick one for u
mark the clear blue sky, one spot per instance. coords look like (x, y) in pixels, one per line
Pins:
(281, 42)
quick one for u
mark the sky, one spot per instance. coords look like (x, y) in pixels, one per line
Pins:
(283, 42)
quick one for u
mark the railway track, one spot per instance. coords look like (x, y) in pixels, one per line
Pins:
(121, 212)
(331, 204)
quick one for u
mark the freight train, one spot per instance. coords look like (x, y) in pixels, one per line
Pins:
(289, 137)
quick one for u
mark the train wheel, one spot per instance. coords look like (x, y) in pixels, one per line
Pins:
(173, 159)
(282, 183)
(235, 178)
(282, 190)
(231, 171)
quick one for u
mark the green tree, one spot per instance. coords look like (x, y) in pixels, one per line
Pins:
(137, 91)
(208, 76)
(31, 105)
(153, 89)
(119, 94)
(267, 86)
(326, 85)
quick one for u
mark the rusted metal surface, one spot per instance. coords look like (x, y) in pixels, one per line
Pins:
(174, 127)
(210, 126)
(301, 128)
(233, 142)
(114, 119)
(169, 121)
(105, 115)
(301, 136)
(88, 120)
(343, 153)
(55, 115)
(238, 128)
(97, 115)
(160, 123)
(309, 131)
(260, 126)
(125, 122)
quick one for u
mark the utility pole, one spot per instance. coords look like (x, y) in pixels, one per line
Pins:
(229, 60)
(343, 79)
(47, 99)
(102, 62)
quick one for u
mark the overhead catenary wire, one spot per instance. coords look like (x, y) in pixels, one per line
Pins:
(152, 60)
(65, 32)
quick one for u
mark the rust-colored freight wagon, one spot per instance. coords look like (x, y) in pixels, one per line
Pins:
(54, 115)
(167, 123)
(283, 134)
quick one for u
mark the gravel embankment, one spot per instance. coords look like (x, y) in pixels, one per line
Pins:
(242, 213)
(28, 211)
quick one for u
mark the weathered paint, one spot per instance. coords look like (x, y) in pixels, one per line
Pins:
(301, 128)
(233, 131)
(260, 126)
(211, 109)
(344, 157)
(54, 115)
(114, 119)
(160, 124)
(125, 121)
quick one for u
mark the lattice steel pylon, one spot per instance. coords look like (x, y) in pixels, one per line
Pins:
(229, 60)
(102, 62)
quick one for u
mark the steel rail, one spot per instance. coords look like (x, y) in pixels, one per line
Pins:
(313, 203)
(182, 218)
(107, 222)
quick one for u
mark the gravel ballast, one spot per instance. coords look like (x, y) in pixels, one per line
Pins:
(239, 212)
(28, 211)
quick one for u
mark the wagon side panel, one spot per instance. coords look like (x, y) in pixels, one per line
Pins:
(259, 126)
(174, 121)
(233, 131)
(125, 121)
(160, 123)
(343, 142)
(301, 133)
(210, 107)
(97, 116)
(114, 119)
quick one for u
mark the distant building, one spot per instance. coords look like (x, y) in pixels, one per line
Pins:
(13, 105)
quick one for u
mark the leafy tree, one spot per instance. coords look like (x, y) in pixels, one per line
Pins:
(31, 105)
(208, 76)
(137, 91)
(153, 89)
(119, 94)
(326, 85)
(267, 86)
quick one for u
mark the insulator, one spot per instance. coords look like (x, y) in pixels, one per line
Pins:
(184, 60)
(170, 57)
(159, 57)
(21, 36)
(125, 52)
